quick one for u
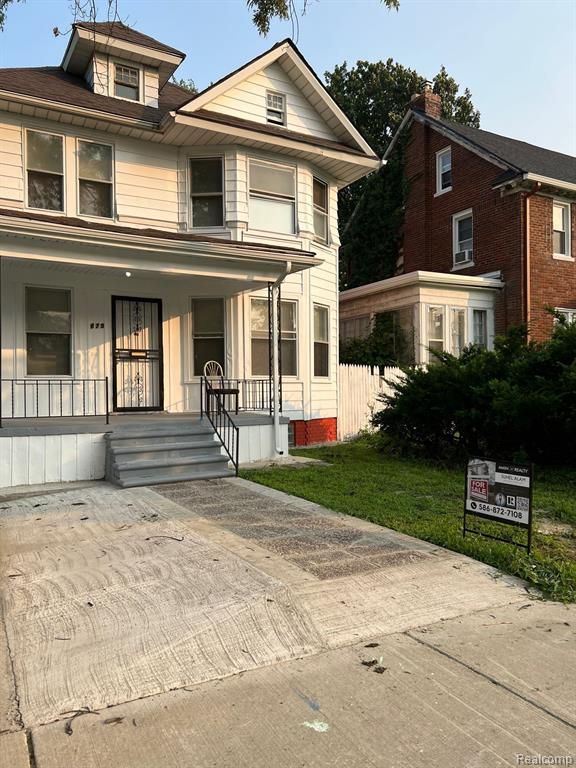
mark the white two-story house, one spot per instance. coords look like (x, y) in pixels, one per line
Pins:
(146, 231)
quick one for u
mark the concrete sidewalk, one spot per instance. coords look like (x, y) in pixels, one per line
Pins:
(223, 624)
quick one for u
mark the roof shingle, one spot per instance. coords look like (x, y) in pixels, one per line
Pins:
(186, 237)
(518, 155)
(53, 84)
(120, 31)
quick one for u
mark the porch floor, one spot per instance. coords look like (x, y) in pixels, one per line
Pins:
(96, 424)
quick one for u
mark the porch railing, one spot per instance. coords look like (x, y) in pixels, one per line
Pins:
(53, 398)
(212, 404)
(247, 394)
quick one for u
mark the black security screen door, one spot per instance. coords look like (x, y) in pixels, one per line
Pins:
(137, 363)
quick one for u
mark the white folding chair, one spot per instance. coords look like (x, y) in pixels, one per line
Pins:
(214, 373)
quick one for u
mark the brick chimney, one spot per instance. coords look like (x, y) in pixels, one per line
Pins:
(428, 102)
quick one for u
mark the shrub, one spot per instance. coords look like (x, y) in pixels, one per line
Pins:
(515, 402)
(389, 343)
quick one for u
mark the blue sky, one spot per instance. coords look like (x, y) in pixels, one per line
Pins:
(518, 57)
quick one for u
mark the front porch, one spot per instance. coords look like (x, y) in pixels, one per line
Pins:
(85, 425)
(50, 450)
(105, 333)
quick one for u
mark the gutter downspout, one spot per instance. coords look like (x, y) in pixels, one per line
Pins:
(527, 282)
(275, 362)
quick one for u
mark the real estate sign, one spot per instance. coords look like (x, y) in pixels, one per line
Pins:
(499, 491)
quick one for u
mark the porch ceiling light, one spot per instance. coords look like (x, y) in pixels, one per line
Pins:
(128, 274)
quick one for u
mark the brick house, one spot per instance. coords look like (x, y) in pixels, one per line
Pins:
(488, 239)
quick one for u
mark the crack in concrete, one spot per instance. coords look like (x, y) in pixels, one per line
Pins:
(491, 679)
(30, 746)
(18, 720)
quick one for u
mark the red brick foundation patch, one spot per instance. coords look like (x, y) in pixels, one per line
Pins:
(315, 431)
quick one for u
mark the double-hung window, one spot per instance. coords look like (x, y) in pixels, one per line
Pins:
(260, 344)
(207, 333)
(127, 82)
(458, 331)
(444, 170)
(207, 192)
(48, 332)
(321, 341)
(272, 197)
(95, 186)
(480, 327)
(355, 327)
(561, 229)
(435, 330)
(276, 108)
(45, 170)
(320, 200)
(462, 238)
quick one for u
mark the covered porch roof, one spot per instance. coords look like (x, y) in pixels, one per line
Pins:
(421, 278)
(63, 240)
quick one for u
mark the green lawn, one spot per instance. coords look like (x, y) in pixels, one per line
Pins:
(426, 501)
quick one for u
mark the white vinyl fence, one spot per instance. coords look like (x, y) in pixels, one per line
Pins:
(357, 398)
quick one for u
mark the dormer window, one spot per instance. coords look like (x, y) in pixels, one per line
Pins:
(276, 108)
(126, 82)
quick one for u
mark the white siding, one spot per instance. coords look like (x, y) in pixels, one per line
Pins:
(100, 74)
(151, 190)
(256, 443)
(11, 168)
(236, 182)
(146, 183)
(151, 87)
(51, 459)
(247, 100)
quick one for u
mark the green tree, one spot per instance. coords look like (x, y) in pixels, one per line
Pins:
(375, 96)
(263, 11)
(3, 6)
(517, 401)
(186, 83)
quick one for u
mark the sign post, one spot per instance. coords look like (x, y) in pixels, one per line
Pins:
(500, 492)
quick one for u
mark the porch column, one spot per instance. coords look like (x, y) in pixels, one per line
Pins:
(275, 292)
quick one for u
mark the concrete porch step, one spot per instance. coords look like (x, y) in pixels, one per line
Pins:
(162, 453)
(148, 472)
(155, 450)
(159, 478)
(139, 465)
(137, 437)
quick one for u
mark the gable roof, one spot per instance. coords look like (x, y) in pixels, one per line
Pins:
(56, 85)
(119, 31)
(518, 155)
(53, 84)
(278, 130)
(514, 157)
(287, 51)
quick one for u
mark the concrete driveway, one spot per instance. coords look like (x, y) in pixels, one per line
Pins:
(223, 624)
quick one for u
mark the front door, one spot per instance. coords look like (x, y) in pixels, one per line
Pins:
(137, 354)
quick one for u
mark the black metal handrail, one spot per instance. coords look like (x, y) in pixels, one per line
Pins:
(54, 398)
(253, 394)
(212, 404)
(244, 394)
